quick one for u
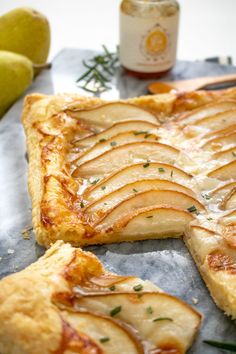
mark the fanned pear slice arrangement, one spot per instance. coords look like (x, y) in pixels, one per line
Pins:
(73, 305)
(146, 168)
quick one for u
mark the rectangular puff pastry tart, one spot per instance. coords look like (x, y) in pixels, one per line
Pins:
(67, 302)
(149, 167)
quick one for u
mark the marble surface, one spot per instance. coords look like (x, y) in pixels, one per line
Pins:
(165, 262)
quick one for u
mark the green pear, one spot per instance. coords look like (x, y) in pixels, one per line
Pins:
(16, 73)
(27, 32)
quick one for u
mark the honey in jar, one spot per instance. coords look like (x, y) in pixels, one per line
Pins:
(148, 36)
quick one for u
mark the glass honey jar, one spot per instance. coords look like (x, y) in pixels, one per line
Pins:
(148, 36)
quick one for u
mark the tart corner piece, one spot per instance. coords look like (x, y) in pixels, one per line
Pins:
(67, 302)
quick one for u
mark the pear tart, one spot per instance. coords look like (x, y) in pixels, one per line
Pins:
(67, 302)
(149, 167)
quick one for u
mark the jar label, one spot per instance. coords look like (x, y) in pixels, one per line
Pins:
(148, 44)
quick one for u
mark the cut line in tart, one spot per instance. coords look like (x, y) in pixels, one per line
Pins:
(96, 176)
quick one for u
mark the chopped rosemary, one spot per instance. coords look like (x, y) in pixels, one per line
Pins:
(81, 205)
(147, 136)
(222, 345)
(171, 174)
(99, 72)
(94, 181)
(138, 287)
(192, 209)
(102, 140)
(209, 219)
(141, 132)
(149, 217)
(113, 143)
(206, 196)
(146, 165)
(115, 311)
(234, 153)
(104, 339)
(135, 190)
(103, 187)
(162, 319)
(149, 310)
(161, 169)
(112, 288)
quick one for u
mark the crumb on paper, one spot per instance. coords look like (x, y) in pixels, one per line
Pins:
(10, 251)
(26, 232)
(195, 300)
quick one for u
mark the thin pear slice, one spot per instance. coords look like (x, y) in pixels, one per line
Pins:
(111, 336)
(207, 111)
(106, 203)
(218, 195)
(169, 324)
(136, 126)
(218, 121)
(126, 155)
(225, 172)
(224, 141)
(226, 155)
(229, 201)
(150, 199)
(151, 222)
(116, 140)
(110, 113)
(137, 172)
(222, 132)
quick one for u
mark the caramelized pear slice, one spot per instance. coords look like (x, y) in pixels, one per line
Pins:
(224, 141)
(207, 110)
(218, 121)
(126, 155)
(135, 173)
(162, 321)
(136, 126)
(221, 132)
(152, 198)
(225, 172)
(152, 222)
(117, 140)
(107, 202)
(218, 195)
(226, 155)
(110, 113)
(111, 336)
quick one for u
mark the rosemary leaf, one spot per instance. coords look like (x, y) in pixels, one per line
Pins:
(221, 345)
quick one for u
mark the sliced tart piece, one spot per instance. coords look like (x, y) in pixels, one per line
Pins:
(161, 327)
(40, 310)
(137, 126)
(226, 155)
(216, 262)
(152, 222)
(116, 140)
(108, 201)
(207, 110)
(110, 113)
(138, 172)
(149, 199)
(224, 141)
(126, 155)
(225, 172)
(218, 121)
(94, 334)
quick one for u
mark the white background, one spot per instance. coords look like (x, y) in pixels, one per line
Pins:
(207, 27)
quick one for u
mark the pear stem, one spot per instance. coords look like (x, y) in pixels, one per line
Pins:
(42, 66)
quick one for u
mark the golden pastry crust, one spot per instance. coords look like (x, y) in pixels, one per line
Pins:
(40, 311)
(95, 177)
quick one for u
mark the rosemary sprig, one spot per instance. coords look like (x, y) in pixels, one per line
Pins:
(100, 70)
(222, 345)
